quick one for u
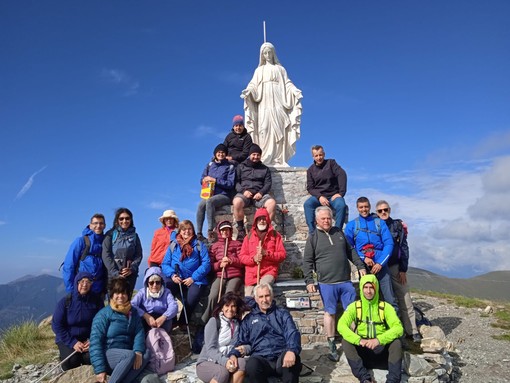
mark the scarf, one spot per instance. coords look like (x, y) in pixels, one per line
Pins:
(157, 295)
(122, 308)
(185, 245)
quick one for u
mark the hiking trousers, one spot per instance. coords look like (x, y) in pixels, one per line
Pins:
(338, 206)
(229, 285)
(121, 362)
(405, 304)
(361, 359)
(259, 369)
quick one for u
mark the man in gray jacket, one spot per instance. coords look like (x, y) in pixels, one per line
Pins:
(328, 253)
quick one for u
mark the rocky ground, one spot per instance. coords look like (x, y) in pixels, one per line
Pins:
(477, 356)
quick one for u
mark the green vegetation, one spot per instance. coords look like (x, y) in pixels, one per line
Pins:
(25, 343)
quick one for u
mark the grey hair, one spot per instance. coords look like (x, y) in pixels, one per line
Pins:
(323, 208)
(263, 286)
(382, 202)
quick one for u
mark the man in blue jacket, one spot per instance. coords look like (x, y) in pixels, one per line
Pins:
(374, 244)
(90, 242)
(270, 337)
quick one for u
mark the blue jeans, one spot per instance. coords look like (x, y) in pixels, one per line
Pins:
(208, 207)
(338, 206)
(386, 287)
(121, 362)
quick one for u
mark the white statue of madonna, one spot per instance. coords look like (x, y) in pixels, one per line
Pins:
(272, 106)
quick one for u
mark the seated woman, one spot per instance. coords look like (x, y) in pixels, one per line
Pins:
(155, 303)
(117, 340)
(213, 365)
(229, 270)
(223, 173)
(162, 237)
(72, 321)
(187, 264)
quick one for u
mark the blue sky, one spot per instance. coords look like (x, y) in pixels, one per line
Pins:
(120, 103)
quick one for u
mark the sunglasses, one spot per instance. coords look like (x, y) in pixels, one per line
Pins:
(383, 210)
(152, 283)
(124, 219)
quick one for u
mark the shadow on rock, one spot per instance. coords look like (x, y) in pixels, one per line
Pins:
(447, 324)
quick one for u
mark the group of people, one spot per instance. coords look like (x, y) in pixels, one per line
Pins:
(185, 264)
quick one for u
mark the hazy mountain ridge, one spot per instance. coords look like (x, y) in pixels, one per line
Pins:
(35, 297)
(29, 297)
(492, 286)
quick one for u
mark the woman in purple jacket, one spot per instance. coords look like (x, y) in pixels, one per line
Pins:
(154, 302)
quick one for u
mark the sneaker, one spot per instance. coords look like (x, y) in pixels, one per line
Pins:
(417, 338)
(212, 236)
(241, 233)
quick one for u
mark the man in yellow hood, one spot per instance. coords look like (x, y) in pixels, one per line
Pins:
(375, 340)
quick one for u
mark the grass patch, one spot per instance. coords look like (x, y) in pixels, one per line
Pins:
(25, 343)
(502, 337)
(456, 299)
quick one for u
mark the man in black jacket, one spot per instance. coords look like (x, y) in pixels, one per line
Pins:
(252, 185)
(238, 141)
(326, 182)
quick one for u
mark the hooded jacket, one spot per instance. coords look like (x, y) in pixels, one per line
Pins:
(74, 313)
(268, 334)
(164, 305)
(272, 244)
(93, 263)
(382, 240)
(385, 332)
(122, 248)
(217, 252)
(238, 145)
(196, 266)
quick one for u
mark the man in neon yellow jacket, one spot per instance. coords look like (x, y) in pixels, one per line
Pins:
(375, 340)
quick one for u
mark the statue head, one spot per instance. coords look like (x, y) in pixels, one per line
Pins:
(270, 48)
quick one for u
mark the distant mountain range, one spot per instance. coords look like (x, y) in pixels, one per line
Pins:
(34, 297)
(493, 286)
(29, 298)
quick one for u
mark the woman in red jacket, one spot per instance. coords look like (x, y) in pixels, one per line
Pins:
(227, 260)
(262, 246)
(162, 237)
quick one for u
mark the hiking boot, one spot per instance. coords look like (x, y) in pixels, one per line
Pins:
(417, 338)
(333, 354)
(201, 238)
(212, 236)
(241, 233)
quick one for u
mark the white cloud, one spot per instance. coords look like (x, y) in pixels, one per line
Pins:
(157, 205)
(28, 184)
(458, 215)
(204, 130)
(124, 80)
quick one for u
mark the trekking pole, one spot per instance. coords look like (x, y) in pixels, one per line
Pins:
(258, 264)
(58, 365)
(183, 306)
(223, 270)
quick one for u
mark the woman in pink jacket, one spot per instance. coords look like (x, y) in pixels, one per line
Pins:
(262, 246)
(224, 255)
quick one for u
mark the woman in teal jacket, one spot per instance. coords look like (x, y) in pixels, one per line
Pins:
(117, 339)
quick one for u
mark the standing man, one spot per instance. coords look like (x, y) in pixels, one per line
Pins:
(261, 253)
(270, 337)
(326, 181)
(397, 264)
(252, 185)
(374, 244)
(374, 343)
(84, 254)
(328, 253)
